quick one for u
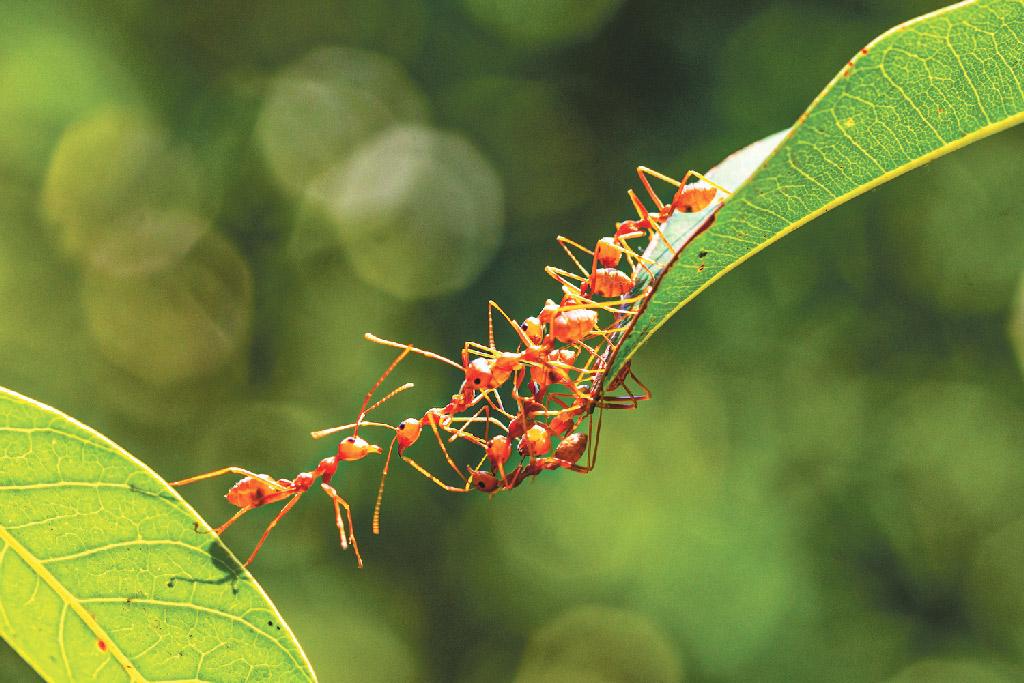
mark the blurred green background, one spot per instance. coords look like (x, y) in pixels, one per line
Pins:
(204, 205)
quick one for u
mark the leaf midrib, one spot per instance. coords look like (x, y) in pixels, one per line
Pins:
(71, 601)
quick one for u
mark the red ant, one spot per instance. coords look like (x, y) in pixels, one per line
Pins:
(256, 490)
(536, 440)
(476, 376)
(687, 199)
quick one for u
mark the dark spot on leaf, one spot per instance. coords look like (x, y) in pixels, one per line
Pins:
(170, 584)
(102, 645)
(702, 253)
(270, 623)
(700, 268)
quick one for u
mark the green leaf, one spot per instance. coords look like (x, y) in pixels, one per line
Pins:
(107, 574)
(918, 91)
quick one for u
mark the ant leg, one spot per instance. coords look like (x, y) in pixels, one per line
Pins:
(444, 449)
(390, 395)
(641, 211)
(339, 501)
(500, 407)
(380, 489)
(630, 401)
(701, 176)
(632, 257)
(612, 305)
(647, 392)
(234, 518)
(487, 440)
(482, 350)
(572, 292)
(426, 473)
(485, 396)
(642, 172)
(564, 277)
(489, 420)
(648, 219)
(422, 470)
(427, 354)
(593, 443)
(623, 247)
(230, 470)
(622, 402)
(461, 432)
(270, 527)
(565, 243)
(518, 330)
(380, 380)
(361, 422)
(490, 326)
(340, 428)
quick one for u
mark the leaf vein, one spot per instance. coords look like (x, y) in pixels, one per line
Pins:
(42, 575)
(853, 142)
(197, 608)
(913, 105)
(60, 641)
(967, 77)
(122, 544)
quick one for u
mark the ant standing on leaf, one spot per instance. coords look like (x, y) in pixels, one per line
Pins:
(256, 490)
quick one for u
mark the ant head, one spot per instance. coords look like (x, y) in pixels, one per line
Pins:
(355, 448)
(534, 329)
(483, 481)
(478, 374)
(408, 432)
